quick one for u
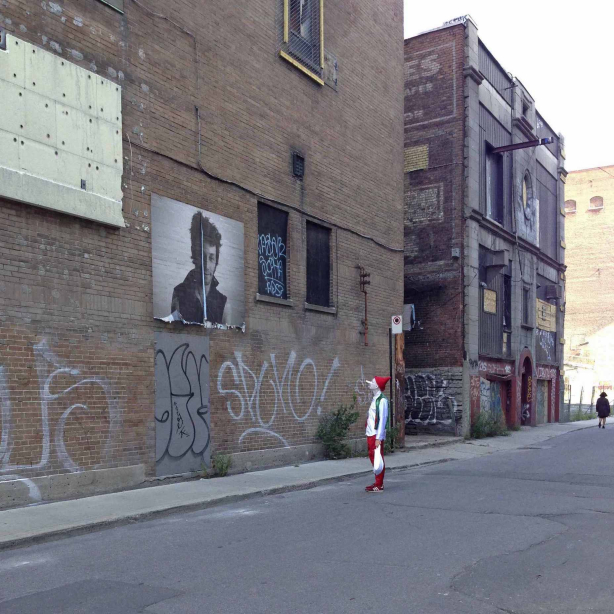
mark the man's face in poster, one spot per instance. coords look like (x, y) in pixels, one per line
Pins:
(210, 262)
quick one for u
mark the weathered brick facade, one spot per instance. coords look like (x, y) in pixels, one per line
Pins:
(483, 237)
(589, 358)
(77, 332)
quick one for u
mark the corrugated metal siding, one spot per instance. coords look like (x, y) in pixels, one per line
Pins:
(548, 212)
(494, 73)
(490, 324)
(544, 130)
(493, 132)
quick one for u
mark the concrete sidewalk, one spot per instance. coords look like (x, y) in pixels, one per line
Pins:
(23, 526)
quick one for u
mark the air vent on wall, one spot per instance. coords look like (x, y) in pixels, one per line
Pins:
(298, 165)
(553, 291)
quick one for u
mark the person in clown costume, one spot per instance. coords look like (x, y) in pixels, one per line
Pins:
(376, 428)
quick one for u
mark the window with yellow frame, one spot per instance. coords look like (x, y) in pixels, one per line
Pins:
(303, 44)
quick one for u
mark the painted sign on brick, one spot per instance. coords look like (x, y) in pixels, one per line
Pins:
(425, 83)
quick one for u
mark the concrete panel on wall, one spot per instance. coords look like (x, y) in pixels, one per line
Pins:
(51, 107)
(182, 403)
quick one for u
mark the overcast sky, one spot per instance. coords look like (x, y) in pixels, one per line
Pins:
(564, 58)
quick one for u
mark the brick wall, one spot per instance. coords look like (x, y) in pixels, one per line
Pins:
(433, 222)
(433, 196)
(76, 324)
(589, 312)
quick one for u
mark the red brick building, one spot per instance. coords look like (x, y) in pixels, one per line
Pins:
(227, 166)
(484, 246)
(589, 354)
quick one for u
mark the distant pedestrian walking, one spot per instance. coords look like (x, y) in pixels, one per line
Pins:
(376, 431)
(603, 409)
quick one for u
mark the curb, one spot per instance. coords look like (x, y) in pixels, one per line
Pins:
(101, 525)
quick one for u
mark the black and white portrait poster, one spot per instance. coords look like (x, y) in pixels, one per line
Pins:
(197, 265)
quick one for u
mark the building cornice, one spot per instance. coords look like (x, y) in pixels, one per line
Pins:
(505, 234)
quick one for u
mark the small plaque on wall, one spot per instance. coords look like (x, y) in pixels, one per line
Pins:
(490, 301)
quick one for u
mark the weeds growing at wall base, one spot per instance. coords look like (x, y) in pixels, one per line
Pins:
(488, 425)
(334, 428)
(220, 465)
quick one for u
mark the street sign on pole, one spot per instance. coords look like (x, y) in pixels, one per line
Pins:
(397, 325)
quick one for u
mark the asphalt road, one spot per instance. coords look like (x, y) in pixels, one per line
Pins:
(529, 531)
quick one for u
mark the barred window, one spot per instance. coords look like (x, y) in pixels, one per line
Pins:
(304, 34)
(318, 265)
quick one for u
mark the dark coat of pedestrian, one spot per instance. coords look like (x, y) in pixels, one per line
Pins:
(603, 409)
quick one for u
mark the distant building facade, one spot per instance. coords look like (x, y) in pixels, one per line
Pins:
(484, 240)
(589, 320)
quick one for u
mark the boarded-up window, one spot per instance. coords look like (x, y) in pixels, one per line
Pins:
(318, 265)
(548, 212)
(272, 251)
(526, 306)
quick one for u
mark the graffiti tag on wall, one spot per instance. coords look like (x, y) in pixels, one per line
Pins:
(182, 403)
(547, 343)
(427, 400)
(242, 389)
(53, 389)
(271, 260)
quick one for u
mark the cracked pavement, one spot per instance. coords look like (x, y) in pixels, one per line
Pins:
(524, 531)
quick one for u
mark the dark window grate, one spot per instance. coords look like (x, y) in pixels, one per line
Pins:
(318, 265)
(304, 35)
(298, 165)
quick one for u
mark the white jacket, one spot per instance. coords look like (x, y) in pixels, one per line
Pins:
(383, 418)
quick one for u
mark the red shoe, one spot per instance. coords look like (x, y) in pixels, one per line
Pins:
(374, 488)
(369, 488)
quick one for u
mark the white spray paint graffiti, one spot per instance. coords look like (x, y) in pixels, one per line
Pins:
(248, 388)
(363, 394)
(427, 401)
(49, 368)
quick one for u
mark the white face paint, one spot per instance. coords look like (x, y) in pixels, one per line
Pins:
(373, 385)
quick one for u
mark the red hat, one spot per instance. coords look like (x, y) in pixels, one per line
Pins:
(381, 382)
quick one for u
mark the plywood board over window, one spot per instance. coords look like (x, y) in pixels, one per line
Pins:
(545, 315)
(490, 301)
(60, 135)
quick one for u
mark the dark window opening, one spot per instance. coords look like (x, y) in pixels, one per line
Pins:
(526, 107)
(304, 33)
(507, 303)
(272, 251)
(318, 265)
(494, 185)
